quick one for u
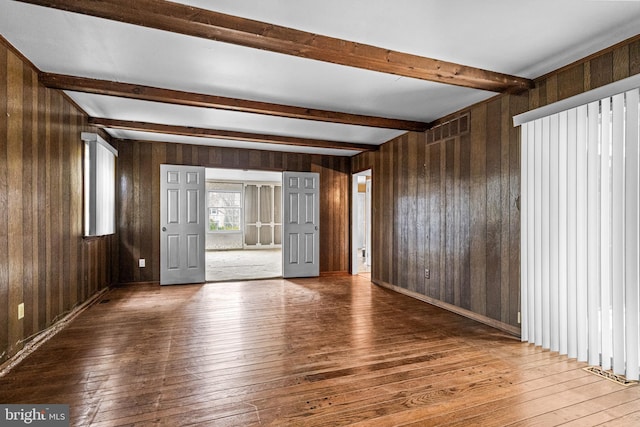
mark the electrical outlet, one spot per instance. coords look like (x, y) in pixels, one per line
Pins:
(427, 273)
(20, 310)
(142, 263)
(519, 320)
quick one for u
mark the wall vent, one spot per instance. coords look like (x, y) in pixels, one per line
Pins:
(451, 128)
(618, 379)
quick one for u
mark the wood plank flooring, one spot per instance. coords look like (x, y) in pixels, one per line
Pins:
(329, 351)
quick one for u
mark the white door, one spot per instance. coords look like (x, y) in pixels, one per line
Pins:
(182, 224)
(301, 224)
(367, 214)
(361, 223)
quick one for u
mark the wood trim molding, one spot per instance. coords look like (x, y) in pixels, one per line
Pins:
(30, 64)
(126, 284)
(34, 342)
(19, 54)
(169, 96)
(586, 59)
(226, 134)
(453, 308)
(333, 273)
(584, 98)
(207, 24)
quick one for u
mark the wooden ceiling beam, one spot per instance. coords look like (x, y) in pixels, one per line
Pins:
(203, 23)
(169, 96)
(226, 134)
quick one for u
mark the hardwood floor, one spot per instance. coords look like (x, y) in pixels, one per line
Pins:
(315, 352)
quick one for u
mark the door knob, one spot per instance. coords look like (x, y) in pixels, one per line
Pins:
(164, 228)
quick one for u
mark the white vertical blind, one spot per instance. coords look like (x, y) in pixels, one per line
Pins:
(538, 232)
(593, 237)
(605, 233)
(572, 269)
(554, 230)
(99, 185)
(580, 233)
(617, 237)
(524, 237)
(562, 236)
(546, 237)
(631, 234)
(530, 231)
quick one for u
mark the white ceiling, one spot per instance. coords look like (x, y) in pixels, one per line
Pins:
(523, 38)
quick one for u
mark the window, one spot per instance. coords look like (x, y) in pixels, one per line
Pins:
(225, 209)
(99, 186)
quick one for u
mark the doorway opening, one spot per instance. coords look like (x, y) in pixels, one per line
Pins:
(243, 225)
(361, 223)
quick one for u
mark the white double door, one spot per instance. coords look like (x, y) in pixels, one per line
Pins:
(183, 213)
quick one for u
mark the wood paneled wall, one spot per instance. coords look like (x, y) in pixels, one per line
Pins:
(612, 64)
(44, 261)
(139, 198)
(448, 200)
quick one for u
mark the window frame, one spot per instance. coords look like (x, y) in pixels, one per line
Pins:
(240, 209)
